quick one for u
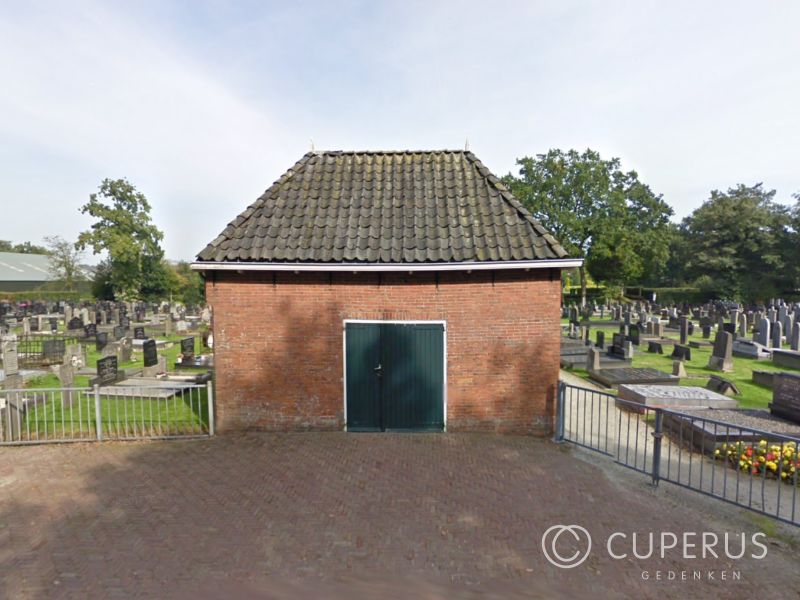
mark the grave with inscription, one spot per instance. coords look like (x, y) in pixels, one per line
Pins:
(139, 334)
(108, 371)
(675, 396)
(786, 396)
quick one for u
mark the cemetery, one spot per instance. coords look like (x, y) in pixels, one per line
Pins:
(101, 362)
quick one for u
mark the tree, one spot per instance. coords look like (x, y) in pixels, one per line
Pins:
(64, 261)
(738, 240)
(124, 230)
(597, 212)
(190, 288)
(23, 248)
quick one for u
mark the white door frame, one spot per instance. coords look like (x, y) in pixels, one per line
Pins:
(395, 322)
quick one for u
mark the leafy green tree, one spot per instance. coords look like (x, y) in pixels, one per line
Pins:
(597, 212)
(65, 261)
(23, 248)
(124, 230)
(738, 240)
(101, 282)
(190, 286)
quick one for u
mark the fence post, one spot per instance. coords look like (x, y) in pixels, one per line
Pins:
(657, 435)
(98, 413)
(560, 400)
(210, 389)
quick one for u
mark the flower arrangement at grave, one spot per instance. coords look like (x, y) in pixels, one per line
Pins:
(775, 461)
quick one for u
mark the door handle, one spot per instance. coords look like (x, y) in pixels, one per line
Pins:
(378, 370)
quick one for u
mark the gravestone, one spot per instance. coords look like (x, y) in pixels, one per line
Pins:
(706, 331)
(681, 352)
(654, 347)
(53, 325)
(763, 336)
(168, 328)
(66, 379)
(187, 348)
(722, 386)
(107, 370)
(777, 335)
(794, 340)
(150, 353)
(748, 349)
(34, 324)
(119, 332)
(593, 359)
(683, 327)
(722, 355)
(730, 328)
(786, 396)
(125, 350)
(618, 376)
(100, 341)
(786, 358)
(678, 369)
(600, 339)
(10, 358)
(90, 330)
(139, 334)
(158, 368)
(633, 334)
(74, 323)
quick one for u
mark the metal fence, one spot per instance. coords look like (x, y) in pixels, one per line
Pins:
(751, 468)
(42, 350)
(36, 416)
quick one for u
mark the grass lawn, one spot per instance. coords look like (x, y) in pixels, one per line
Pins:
(751, 396)
(61, 415)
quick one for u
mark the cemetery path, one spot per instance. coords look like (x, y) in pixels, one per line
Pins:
(350, 515)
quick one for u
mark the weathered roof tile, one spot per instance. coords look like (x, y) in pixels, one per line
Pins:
(385, 207)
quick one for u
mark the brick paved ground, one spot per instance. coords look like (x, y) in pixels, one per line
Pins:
(347, 515)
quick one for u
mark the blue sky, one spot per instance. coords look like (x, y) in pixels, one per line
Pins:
(202, 105)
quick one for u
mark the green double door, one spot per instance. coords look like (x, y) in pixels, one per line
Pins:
(395, 376)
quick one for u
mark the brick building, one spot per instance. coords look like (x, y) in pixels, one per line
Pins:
(385, 291)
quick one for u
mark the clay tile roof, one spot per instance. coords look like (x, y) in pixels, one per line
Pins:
(385, 207)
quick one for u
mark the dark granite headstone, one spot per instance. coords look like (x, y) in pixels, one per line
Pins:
(53, 324)
(75, 323)
(101, 341)
(139, 334)
(786, 396)
(681, 352)
(655, 347)
(90, 330)
(600, 339)
(150, 353)
(633, 334)
(107, 370)
(187, 348)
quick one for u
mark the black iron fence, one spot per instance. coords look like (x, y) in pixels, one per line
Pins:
(42, 350)
(748, 467)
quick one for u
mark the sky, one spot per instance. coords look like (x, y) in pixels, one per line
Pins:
(203, 104)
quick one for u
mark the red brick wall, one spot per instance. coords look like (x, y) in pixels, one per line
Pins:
(278, 344)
